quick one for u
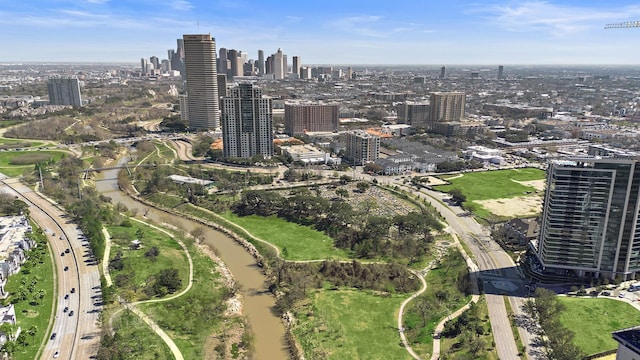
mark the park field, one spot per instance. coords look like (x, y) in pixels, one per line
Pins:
(500, 194)
(296, 242)
(593, 320)
(347, 324)
(14, 163)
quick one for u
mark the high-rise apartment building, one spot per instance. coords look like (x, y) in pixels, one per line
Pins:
(414, 114)
(64, 91)
(500, 72)
(442, 72)
(446, 106)
(301, 118)
(590, 219)
(362, 147)
(247, 122)
(143, 65)
(202, 81)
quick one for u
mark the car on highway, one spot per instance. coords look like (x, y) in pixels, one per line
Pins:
(606, 293)
(67, 251)
(621, 295)
(65, 309)
(73, 290)
(71, 313)
(62, 253)
(53, 336)
(56, 354)
(66, 296)
(66, 268)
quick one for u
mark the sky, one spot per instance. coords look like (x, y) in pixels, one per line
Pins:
(427, 32)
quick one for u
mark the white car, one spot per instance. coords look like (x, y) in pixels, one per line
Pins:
(56, 354)
(621, 295)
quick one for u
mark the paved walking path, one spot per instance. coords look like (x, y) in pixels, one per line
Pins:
(133, 306)
(400, 313)
(473, 270)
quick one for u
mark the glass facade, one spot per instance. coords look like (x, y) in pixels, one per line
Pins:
(589, 220)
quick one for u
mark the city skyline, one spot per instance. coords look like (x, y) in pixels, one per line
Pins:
(331, 32)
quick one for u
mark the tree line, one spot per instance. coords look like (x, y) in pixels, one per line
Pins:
(366, 235)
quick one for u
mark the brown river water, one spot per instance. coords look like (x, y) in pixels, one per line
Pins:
(258, 303)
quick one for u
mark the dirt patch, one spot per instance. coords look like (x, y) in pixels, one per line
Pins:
(539, 185)
(517, 206)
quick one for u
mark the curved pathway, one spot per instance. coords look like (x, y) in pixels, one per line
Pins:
(473, 273)
(473, 270)
(133, 306)
(401, 312)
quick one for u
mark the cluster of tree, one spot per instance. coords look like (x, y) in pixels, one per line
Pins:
(293, 280)
(46, 129)
(19, 343)
(450, 166)
(469, 329)
(90, 219)
(10, 205)
(516, 136)
(293, 175)
(173, 123)
(557, 340)
(114, 348)
(365, 234)
(167, 281)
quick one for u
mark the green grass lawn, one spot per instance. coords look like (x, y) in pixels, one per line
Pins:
(136, 336)
(300, 242)
(347, 324)
(440, 280)
(7, 143)
(190, 319)
(497, 184)
(139, 269)
(28, 315)
(14, 163)
(593, 320)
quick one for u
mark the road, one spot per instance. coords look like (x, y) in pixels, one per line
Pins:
(497, 271)
(77, 335)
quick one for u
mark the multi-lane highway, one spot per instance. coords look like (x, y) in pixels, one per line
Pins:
(78, 293)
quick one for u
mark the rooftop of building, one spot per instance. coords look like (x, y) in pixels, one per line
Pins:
(629, 337)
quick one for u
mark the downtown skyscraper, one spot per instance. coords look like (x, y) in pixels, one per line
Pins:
(247, 123)
(202, 82)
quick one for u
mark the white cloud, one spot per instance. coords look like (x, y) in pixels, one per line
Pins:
(372, 26)
(182, 5)
(558, 20)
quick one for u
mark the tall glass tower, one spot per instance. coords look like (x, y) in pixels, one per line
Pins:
(590, 218)
(202, 82)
